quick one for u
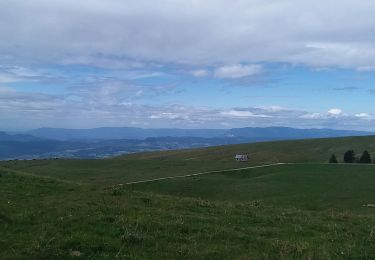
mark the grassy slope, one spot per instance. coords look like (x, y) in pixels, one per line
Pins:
(109, 172)
(41, 218)
(309, 150)
(172, 163)
(306, 186)
(306, 211)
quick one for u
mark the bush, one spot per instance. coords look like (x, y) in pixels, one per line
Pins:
(117, 191)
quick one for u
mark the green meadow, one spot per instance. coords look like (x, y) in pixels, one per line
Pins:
(307, 209)
(306, 186)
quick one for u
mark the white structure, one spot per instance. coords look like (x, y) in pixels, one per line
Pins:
(241, 157)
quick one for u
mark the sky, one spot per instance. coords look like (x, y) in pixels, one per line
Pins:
(187, 64)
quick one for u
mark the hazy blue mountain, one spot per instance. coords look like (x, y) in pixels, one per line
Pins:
(111, 133)
(33, 149)
(100, 149)
(283, 133)
(17, 137)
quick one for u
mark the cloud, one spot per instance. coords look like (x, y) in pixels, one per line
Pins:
(365, 116)
(6, 78)
(242, 113)
(331, 113)
(346, 88)
(366, 68)
(14, 73)
(109, 105)
(122, 34)
(11, 74)
(121, 43)
(200, 73)
(335, 112)
(233, 71)
(273, 109)
(238, 71)
(313, 116)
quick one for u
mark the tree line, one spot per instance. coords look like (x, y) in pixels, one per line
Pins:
(350, 157)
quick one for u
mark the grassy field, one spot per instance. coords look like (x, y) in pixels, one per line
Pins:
(41, 218)
(110, 172)
(306, 186)
(136, 167)
(69, 209)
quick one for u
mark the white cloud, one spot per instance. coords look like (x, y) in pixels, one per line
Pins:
(366, 68)
(139, 93)
(335, 112)
(200, 73)
(169, 115)
(362, 115)
(365, 116)
(241, 113)
(238, 71)
(273, 108)
(331, 114)
(313, 116)
(6, 78)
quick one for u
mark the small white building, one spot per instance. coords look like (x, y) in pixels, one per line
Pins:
(241, 157)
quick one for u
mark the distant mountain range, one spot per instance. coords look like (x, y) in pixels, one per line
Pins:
(111, 141)
(111, 133)
(91, 149)
(287, 133)
(4, 137)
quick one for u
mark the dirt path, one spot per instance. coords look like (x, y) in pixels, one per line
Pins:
(202, 173)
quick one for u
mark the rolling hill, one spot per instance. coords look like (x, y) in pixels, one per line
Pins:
(309, 150)
(65, 209)
(139, 166)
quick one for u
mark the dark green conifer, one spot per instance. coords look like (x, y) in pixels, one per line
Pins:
(365, 158)
(333, 159)
(349, 157)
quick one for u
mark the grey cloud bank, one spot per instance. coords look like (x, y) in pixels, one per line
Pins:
(109, 33)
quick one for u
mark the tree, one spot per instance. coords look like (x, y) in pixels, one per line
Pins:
(333, 159)
(349, 156)
(365, 158)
